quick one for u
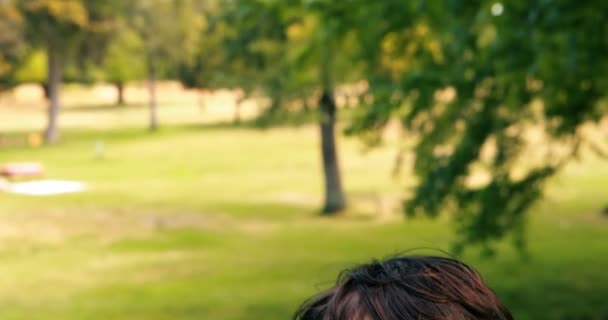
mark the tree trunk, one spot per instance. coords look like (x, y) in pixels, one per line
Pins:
(120, 93)
(152, 95)
(45, 89)
(334, 195)
(237, 109)
(335, 200)
(51, 134)
(275, 105)
(305, 104)
(237, 113)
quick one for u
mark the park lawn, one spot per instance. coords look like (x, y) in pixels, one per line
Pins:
(221, 222)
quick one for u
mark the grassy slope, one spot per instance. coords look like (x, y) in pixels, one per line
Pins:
(221, 223)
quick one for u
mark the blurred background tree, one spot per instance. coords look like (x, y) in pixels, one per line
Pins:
(471, 83)
(122, 62)
(255, 43)
(12, 45)
(169, 31)
(63, 28)
(289, 51)
(34, 70)
(217, 62)
(331, 54)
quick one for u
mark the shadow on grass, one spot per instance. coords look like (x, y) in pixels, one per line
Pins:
(21, 139)
(267, 210)
(15, 140)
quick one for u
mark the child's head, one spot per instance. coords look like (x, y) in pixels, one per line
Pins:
(416, 288)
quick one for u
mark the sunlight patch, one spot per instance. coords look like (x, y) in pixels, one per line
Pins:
(43, 187)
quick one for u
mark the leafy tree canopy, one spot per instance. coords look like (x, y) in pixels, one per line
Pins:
(471, 80)
(12, 45)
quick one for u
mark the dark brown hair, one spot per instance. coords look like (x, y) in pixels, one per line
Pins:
(407, 288)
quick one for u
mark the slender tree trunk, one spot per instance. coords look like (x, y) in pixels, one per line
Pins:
(237, 109)
(335, 200)
(276, 104)
(334, 195)
(51, 134)
(120, 93)
(152, 104)
(237, 113)
(305, 100)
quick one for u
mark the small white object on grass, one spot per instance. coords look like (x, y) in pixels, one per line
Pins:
(99, 149)
(45, 187)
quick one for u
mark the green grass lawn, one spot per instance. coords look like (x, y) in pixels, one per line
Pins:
(214, 222)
